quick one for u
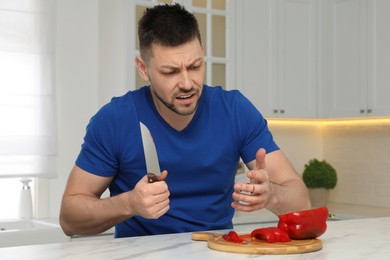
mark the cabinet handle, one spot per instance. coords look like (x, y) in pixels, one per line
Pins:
(369, 110)
(275, 111)
(362, 111)
(282, 111)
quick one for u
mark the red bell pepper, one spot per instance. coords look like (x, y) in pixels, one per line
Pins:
(271, 234)
(304, 224)
(232, 236)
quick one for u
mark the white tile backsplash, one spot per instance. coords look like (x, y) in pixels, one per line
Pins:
(300, 143)
(360, 154)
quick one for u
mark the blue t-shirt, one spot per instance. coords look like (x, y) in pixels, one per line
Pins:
(201, 160)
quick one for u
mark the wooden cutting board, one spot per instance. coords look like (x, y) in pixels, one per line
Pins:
(256, 246)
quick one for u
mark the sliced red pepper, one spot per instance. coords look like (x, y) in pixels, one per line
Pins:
(271, 234)
(304, 224)
(232, 236)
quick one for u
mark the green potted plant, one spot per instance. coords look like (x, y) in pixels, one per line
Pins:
(319, 177)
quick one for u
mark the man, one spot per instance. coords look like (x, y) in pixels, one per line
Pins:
(200, 133)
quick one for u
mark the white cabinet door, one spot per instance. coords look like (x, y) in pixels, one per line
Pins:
(345, 73)
(357, 58)
(296, 69)
(254, 47)
(276, 56)
(379, 57)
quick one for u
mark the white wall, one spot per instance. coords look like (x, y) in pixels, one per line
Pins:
(359, 151)
(91, 64)
(77, 78)
(300, 142)
(361, 155)
(114, 58)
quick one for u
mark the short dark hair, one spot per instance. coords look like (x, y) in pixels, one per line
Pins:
(166, 25)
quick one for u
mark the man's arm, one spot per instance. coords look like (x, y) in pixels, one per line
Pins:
(83, 212)
(274, 185)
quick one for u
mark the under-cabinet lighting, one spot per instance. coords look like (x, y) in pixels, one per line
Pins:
(328, 122)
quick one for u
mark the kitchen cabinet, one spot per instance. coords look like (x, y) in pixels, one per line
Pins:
(314, 58)
(276, 56)
(379, 57)
(356, 58)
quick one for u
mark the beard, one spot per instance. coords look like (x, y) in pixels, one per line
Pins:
(186, 111)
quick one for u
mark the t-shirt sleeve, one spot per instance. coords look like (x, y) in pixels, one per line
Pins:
(98, 151)
(254, 130)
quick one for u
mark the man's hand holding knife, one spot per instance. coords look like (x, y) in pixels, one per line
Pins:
(151, 194)
(150, 200)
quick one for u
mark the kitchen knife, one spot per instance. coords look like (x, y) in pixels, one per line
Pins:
(150, 152)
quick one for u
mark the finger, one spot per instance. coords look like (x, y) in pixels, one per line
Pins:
(162, 197)
(162, 210)
(246, 207)
(260, 165)
(247, 188)
(260, 159)
(163, 175)
(145, 179)
(258, 177)
(161, 204)
(257, 199)
(154, 177)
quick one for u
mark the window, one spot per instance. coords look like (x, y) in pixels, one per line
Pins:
(28, 141)
(213, 17)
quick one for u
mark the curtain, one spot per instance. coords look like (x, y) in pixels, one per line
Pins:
(28, 132)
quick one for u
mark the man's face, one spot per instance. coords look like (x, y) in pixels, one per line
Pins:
(176, 75)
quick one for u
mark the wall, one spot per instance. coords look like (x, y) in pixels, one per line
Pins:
(361, 155)
(91, 68)
(300, 141)
(358, 150)
(113, 57)
(77, 64)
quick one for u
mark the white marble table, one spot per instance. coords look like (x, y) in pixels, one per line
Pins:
(348, 239)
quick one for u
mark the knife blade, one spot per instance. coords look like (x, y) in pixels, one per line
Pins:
(150, 152)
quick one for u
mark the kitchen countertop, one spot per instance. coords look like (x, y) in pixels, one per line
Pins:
(352, 211)
(367, 238)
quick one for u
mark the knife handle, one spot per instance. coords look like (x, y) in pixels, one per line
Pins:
(152, 177)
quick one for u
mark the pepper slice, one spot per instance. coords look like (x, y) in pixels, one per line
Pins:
(271, 234)
(306, 224)
(232, 236)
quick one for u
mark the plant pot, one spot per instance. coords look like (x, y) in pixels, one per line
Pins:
(318, 197)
